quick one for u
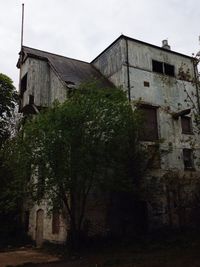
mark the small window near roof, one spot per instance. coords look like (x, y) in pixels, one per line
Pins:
(168, 69)
(157, 66)
(188, 159)
(186, 125)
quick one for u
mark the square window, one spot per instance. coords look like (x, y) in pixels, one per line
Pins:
(169, 69)
(188, 159)
(157, 66)
(186, 125)
(146, 84)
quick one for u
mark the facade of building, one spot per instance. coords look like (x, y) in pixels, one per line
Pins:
(160, 82)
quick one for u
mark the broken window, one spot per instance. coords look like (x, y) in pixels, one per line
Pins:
(186, 125)
(55, 222)
(163, 68)
(157, 66)
(168, 69)
(150, 129)
(188, 159)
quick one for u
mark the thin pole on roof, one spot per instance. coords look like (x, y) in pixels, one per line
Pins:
(22, 27)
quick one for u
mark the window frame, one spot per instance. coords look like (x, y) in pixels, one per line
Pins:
(55, 222)
(188, 153)
(185, 131)
(147, 136)
(164, 68)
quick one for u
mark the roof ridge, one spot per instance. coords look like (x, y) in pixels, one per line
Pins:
(50, 53)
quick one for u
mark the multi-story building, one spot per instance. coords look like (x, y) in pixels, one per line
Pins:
(160, 82)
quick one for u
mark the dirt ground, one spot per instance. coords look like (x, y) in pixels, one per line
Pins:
(22, 256)
(178, 252)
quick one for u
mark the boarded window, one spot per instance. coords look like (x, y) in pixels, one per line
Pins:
(168, 69)
(150, 129)
(157, 66)
(186, 125)
(188, 159)
(55, 222)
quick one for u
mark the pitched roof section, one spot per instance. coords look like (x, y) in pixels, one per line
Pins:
(143, 43)
(71, 71)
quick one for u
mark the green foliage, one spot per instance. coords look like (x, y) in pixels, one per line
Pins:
(87, 143)
(8, 100)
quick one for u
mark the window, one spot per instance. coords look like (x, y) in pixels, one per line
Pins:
(157, 66)
(186, 125)
(31, 99)
(55, 222)
(188, 159)
(168, 69)
(146, 84)
(23, 86)
(163, 68)
(26, 220)
(153, 157)
(150, 129)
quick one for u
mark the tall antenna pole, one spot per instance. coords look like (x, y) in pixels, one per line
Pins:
(22, 29)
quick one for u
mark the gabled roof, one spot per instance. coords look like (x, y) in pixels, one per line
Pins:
(143, 43)
(71, 71)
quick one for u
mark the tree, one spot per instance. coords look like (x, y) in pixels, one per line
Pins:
(8, 101)
(87, 143)
(9, 193)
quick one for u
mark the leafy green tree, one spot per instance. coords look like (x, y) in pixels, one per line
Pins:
(9, 194)
(87, 143)
(8, 102)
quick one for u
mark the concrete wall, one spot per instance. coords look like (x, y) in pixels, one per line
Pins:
(47, 229)
(169, 95)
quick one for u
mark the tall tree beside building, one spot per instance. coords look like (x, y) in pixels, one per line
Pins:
(87, 143)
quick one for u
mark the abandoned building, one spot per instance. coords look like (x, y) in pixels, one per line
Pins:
(164, 83)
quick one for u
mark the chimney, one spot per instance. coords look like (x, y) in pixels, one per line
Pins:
(165, 45)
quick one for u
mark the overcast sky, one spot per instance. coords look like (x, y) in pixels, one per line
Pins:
(81, 29)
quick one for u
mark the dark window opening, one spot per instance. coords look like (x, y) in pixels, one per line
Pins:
(168, 69)
(150, 129)
(188, 159)
(55, 222)
(146, 84)
(157, 66)
(31, 99)
(23, 84)
(186, 125)
(153, 157)
(26, 220)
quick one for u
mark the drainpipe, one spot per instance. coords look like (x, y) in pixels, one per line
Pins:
(128, 72)
(196, 84)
